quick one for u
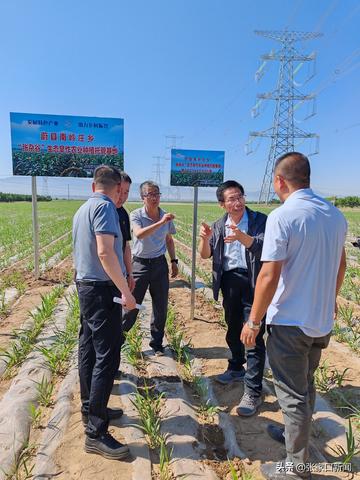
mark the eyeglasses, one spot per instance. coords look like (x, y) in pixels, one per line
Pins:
(152, 195)
(239, 198)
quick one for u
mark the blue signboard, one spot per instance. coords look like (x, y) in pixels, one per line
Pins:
(202, 168)
(65, 146)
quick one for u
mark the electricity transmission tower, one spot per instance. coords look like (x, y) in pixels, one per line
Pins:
(171, 142)
(45, 187)
(158, 169)
(287, 99)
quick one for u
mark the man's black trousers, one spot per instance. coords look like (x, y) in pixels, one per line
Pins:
(237, 301)
(100, 340)
(152, 273)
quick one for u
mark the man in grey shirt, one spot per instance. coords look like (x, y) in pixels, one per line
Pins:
(153, 230)
(100, 277)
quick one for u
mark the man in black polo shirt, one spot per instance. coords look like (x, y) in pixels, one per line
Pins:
(125, 226)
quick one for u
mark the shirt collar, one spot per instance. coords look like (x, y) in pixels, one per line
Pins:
(145, 215)
(103, 196)
(243, 219)
(301, 193)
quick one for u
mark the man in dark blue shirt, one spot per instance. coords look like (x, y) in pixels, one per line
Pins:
(235, 242)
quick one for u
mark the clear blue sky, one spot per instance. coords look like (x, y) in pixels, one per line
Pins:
(183, 67)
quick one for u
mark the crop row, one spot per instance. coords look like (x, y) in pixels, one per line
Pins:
(16, 235)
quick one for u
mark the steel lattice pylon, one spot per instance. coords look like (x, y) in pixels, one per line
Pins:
(283, 131)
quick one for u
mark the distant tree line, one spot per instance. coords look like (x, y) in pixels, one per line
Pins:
(352, 201)
(16, 197)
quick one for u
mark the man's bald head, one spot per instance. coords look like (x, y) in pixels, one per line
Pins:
(294, 167)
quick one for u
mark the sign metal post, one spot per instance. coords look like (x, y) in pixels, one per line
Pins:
(35, 222)
(193, 261)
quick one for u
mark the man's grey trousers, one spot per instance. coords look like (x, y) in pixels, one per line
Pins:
(294, 357)
(152, 273)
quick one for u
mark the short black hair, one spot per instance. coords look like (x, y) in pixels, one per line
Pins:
(107, 176)
(148, 183)
(295, 168)
(125, 177)
(225, 185)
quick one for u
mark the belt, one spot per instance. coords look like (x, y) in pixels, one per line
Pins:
(243, 271)
(149, 261)
(96, 283)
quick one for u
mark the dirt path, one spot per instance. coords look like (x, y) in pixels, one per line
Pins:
(74, 464)
(208, 339)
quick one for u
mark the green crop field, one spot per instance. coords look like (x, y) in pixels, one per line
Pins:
(16, 234)
(55, 220)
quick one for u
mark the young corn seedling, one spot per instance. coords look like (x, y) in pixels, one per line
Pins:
(21, 469)
(3, 306)
(14, 279)
(206, 409)
(16, 354)
(339, 332)
(25, 339)
(326, 378)
(57, 356)
(354, 337)
(178, 345)
(355, 414)
(339, 377)
(165, 455)
(237, 472)
(233, 472)
(322, 378)
(149, 406)
(45, 390)
(352, 448)
(35, 415)
(132, 347)
(52, 360)
(170, 322)
(346, 313)
(175, 336)
(187, 371)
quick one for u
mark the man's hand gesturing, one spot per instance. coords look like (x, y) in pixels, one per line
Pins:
(205, 231)
(168, 217)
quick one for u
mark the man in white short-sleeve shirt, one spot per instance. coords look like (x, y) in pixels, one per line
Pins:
(303, 268)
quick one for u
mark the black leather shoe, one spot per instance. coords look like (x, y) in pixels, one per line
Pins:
(106, 446)
(158, 351)
(276, 433)
(113, 414)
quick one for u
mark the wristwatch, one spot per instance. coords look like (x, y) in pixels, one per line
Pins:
(175, 260)
(252, 325)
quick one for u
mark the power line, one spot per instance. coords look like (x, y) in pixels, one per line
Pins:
(283, 131)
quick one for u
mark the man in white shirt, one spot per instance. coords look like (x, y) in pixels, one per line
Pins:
(303, 268)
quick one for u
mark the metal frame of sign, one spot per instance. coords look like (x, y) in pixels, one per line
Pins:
(196, 168)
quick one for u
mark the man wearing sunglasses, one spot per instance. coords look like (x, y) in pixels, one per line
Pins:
(235, 242)
(153, 229)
